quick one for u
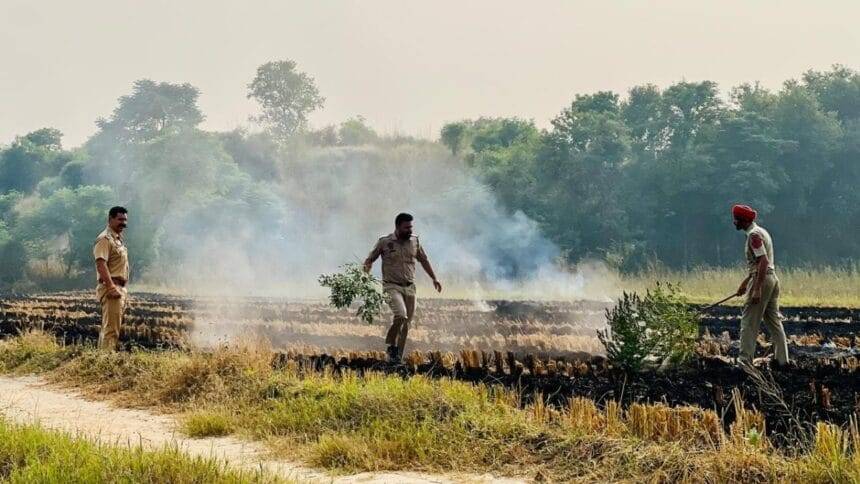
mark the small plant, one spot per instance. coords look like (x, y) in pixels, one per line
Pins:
(353, 284)
(674, 325)
(626, 340)
(659, 326)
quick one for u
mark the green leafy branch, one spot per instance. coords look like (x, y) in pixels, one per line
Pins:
(353, 284)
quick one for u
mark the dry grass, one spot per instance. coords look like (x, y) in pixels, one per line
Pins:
(798, 287)
(379, 422)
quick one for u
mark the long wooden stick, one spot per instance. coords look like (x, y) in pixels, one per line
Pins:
(716, 303)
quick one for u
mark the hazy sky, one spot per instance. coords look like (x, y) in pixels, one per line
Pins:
(406, 66)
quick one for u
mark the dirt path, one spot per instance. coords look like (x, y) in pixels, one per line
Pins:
(28, 399)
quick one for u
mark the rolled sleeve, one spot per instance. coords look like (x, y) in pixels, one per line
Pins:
(375, 252)
(101, 250)
(757, 245)
(420, 254)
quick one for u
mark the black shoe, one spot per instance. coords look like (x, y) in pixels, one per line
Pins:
(393, 354)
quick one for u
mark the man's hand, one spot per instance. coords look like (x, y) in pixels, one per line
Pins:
(437, 285)
(742, 289)
(113, 293)
(367, 266)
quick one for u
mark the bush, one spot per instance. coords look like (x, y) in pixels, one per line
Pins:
(353, 284)
(657, 327)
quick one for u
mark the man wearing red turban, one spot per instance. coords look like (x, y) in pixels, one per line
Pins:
(763, 297)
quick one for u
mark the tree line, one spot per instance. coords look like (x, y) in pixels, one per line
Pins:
(649, 177)
(634, 180)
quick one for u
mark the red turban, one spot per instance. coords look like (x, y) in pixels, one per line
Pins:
(744, 212)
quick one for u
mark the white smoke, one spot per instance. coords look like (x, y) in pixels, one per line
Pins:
(330, 205)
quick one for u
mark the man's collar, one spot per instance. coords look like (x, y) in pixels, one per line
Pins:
(750, 228)
(393, 236)
(114, 233)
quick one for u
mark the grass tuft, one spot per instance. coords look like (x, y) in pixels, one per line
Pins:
(207, 423)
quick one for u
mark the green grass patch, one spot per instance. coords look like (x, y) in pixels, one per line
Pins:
(34, 352)
(207, 423)
(29, 454)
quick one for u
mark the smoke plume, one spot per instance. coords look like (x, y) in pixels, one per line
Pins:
(328, 208)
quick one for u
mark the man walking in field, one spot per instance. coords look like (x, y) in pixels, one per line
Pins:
(399, 251)
(112, 270)
(763, 296)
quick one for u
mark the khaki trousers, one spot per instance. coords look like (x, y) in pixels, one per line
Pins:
(766, 309)
(402, 300)
(112, 311)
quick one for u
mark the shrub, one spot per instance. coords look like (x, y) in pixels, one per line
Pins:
(657, 327)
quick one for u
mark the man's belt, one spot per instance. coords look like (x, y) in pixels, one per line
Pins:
(119, 281)
(768, 271)
(399, 283)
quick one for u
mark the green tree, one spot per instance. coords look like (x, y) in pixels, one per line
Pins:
(65, 224)
(816, 135)
(495, 133)
(838, 91)
(153, 109)
(73, 174)
(355, 131)
(19, 167)
(286, 97)
(691, 112)
(255, 153)
(13, 257)
(29, 159)
(454, 136)
(643, 111)
(579, 171)
(502, 151)
(48, 138)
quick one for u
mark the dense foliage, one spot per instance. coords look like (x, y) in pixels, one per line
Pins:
(635, 180)
(650, 177)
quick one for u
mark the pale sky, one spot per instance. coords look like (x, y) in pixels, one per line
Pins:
(406, 66)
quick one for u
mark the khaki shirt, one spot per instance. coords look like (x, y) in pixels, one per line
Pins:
(111, 248)
(398, 258)
(758, 244)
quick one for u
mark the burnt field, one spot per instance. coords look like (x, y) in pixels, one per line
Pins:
(546, 348)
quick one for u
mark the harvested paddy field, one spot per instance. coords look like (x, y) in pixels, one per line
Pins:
(546, 348)
(512, 378)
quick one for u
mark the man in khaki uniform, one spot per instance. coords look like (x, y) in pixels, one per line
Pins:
(763, 297)
(399, 251)
(112, 271)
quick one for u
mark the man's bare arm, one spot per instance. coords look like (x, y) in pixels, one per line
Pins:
(425, 263)
(742, 289)
(104, 276)
(371, 258)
